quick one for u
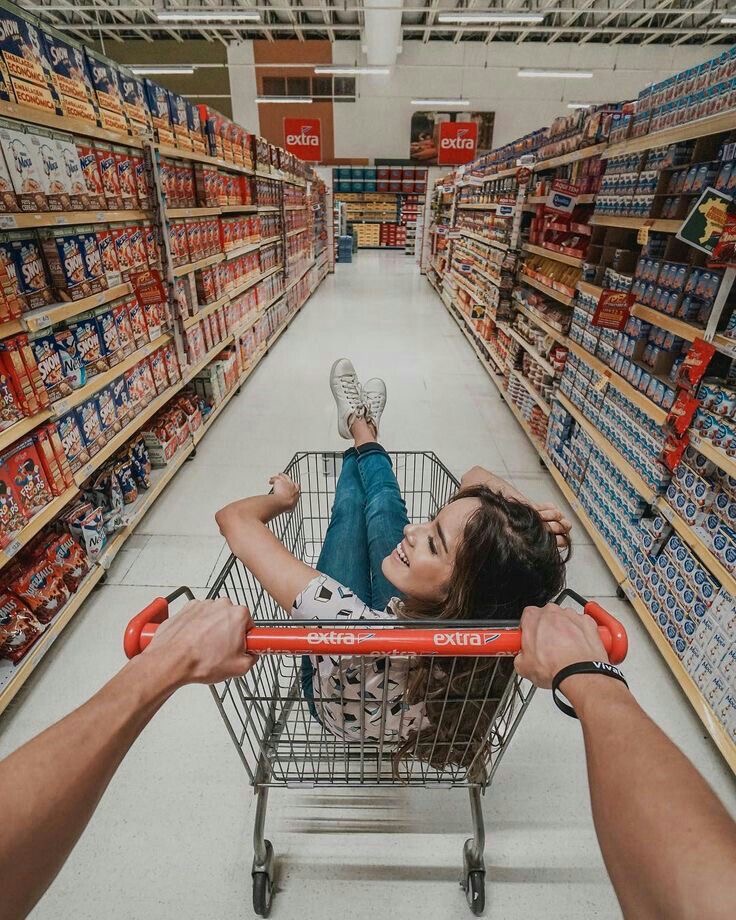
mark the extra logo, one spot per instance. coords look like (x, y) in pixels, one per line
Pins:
(457, 142)
(338, 638)
(464, 639)
(303, 138)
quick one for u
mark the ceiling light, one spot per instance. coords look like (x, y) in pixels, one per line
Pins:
(489, 16)
(159, 69)
(348, 71)
(213, 15)
(561, 74)
(284, 99)
(729, 19)
(580, 105)
(440, 102)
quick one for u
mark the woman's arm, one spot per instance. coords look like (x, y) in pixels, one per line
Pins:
(243, 524)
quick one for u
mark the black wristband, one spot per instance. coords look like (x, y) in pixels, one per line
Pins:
(582, 667)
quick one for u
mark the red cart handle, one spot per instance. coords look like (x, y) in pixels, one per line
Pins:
(312, 640)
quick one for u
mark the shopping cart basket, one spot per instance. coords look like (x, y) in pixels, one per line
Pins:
(268, 718)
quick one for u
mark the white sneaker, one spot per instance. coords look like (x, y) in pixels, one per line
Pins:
(374, 398)
(348, 395)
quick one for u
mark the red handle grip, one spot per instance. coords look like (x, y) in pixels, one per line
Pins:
(296, 640)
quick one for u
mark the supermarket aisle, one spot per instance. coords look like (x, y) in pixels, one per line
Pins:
(172, 837)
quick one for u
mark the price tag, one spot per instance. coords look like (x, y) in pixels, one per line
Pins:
(12, 549)
(100, 216)
(629, 591)
(642, 237)
(34, 323)
(60, 407)
(62, 220)
(7, 222)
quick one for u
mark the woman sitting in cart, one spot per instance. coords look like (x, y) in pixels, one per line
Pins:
(486, 555)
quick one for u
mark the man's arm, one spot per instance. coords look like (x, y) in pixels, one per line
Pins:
(69, 766)
(668, 843)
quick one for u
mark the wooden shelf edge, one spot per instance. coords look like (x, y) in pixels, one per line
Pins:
(546, 253)
(565, 299)
(721, 460)
(698, 546)
(36, 524)
(22, 427)
(531, 350)
(702, 127)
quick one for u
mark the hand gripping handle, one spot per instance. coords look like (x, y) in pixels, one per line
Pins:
(354, 640)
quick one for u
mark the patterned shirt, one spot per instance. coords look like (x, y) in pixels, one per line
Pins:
(358, 699)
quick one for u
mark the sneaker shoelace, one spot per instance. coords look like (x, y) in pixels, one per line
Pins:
(352, 391)
(372, 403)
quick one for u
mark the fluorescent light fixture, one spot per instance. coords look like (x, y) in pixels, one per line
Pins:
(556, 74)
(284, 99)
(580, 105)
(161, 69)
(729, 19)
(213, 15)
(348, 71)
(490, 16)
(440, 102)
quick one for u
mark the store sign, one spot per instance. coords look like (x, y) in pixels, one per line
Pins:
(148, 287)
(505, 210)
(303, 138)
(563, 196)
(724, 254)
(613, 309)
(457, 142)
(523, 175)
(705, 222)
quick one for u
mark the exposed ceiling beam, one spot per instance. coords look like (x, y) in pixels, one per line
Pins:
(568, 22)
(617, 12)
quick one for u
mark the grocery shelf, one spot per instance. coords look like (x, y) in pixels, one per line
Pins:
(56, 313)
(531, 350)
(469, 289)
(270, 271)
(542, 323)
(701, 549)
(36, 524)
(68, 218)
(478, 206)
(12, 327)
(269, 210)
(719, 457)
(100, 381)
(702, 127)
(295, 207)
(583, 154)
(195, 156)
(22, 427)
(250, 320)
(636, 223)
(553, 254)
(188, 321)
(270, 239)
(66, 125)
(655, 412)
(537, 397)
(691, 690)
(481, 238)
(177, 213)
(608, 449)
(180, 270)
(12, 677)
(239, 208)
(545, 289)
(296, 232)
(241, 250)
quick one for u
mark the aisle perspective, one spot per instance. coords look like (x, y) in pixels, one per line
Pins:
(611, 334)
(161, 253)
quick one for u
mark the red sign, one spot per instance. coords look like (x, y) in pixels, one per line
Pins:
(303, 138)
(523, 175)
(613, 309)
(457, 142)
(148, 286)
(724, 255)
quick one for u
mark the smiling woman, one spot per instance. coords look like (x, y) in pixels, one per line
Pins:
(486, 555)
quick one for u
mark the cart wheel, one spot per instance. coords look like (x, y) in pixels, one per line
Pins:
(475, 891)
(262, 893)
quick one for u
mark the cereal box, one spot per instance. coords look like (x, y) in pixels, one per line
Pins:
(126, 178)
(71, 440)
(21, 255)
(137, 244)
(109, 175)
(172, 363)
(61, 459)
(158, 104)
(24, 64)
(108, 333)
(119, 392)
(12, 363)
(91, 175)
(63, 253)
(71, 79)
(29, 482)
(50, 168)
(106, 409)
(108, 256)
(93, 259)
(153, 251)
(27, 183)
(109, 99)
(69, 158)
(158, 370)
(126, 344)
(50, 367)
(134, 100)
(48, 461)
(8, 198)
(138, 323)
(143, 188)
(72, 368)
(121, 241)
(11, 410)
(12, 518)
(89, 346)
(179, 120)
(90, 425)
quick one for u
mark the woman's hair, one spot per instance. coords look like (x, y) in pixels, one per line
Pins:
(508, 559)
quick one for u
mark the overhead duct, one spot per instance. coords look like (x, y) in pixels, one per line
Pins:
(382, 31)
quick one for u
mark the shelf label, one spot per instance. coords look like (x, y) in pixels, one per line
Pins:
(8, 222)
(60, 407)
(34, 323)
(629, 591)
(12, 549)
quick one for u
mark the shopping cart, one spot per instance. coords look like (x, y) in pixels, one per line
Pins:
(268, 717)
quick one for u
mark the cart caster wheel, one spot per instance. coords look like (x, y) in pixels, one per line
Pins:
(475, 891)
(262, 893)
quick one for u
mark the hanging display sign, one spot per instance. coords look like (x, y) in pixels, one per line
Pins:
(523, 175)
(724, 254)
(303, 138)
(457, 142)
(613, 309)
(148, 287)
(562, 197)
(704, 224)
(505, 210)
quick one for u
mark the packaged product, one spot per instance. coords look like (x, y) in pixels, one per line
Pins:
(89, 346)
(119, 391)
(12, 517)
(50, 169)
(93, 259)
(136, 107)
(109, 100)
(71, 80)
(121, 241)
(179, 120)
(26, 380)
(140, 463)
(173, 370)
(39, 583)
(8, 199)
(124, 474)
(126, 344)
(137, 244)
(109, 175)
(70, 558)
(138, 323)
(157, 362)
(28, 480)
(19, 629)
(158, 104)
(69, 158)
(72, 368)
(64, 256)
(20, 253)
(90, 425)
(25, 67)
(108, 414)
(11, 410)
(50, 367)
(126, 177)
(108, 332)
(106, 494)
(27, 183)
(88, 527)
(72, 442)
(153, 313)
(108, 257)
(91, 175)
(46, 455)
(153, 251)
(143, 189)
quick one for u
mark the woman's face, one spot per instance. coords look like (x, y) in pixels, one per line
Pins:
(421, 565)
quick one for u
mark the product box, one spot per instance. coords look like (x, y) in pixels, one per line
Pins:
(108, 256)
(126, 178)
(27, 182)
(91, 175)
(158, 104)
(90, 425)
(73, 371)
(121, 242)
(21, 255)
(179, 120)
(50, 367)
(72, 168)
(133, 93)
(142, 185)
(30, 487)
(104, 79)
(72, 258)
(108, 170)
(25, 71)
(89, 346)
(71, 441)
(71, 80)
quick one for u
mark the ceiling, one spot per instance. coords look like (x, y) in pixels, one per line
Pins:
(662, 22)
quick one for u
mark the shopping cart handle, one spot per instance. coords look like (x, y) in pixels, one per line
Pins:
(315, 640)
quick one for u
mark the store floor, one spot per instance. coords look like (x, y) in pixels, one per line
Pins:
(171, 839)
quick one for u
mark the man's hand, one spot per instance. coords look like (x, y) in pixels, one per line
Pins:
(553, 637)
(556, 522)
(286, 490)
(204, 643)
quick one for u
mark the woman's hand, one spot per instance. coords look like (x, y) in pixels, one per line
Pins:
(556, 522)
(286, 490)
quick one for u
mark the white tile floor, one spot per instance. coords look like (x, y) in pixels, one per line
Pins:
(171, 839)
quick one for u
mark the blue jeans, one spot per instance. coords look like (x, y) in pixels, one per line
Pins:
(367, 521)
